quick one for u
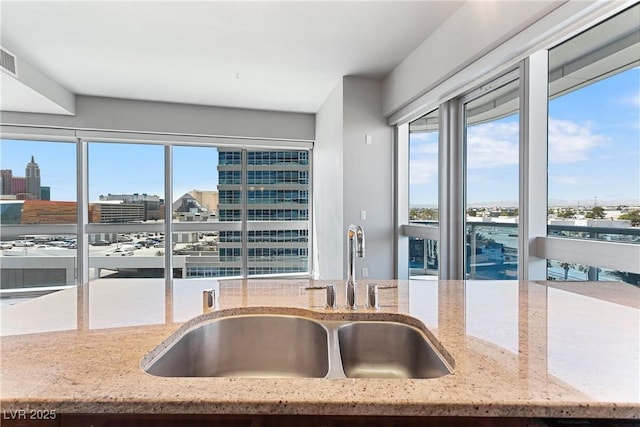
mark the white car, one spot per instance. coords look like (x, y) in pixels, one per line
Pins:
(120, 252)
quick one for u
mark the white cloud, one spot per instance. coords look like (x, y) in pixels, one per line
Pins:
(424, 149)
(571, 142)
(492, 145)
(423, 170)
(423, 167)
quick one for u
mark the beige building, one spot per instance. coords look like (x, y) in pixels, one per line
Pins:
(208, 199)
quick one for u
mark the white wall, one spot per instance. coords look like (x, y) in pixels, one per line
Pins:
(328, 188)
(368, 174)
(350, 176)
(111, 114)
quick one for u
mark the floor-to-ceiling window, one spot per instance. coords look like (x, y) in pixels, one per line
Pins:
(149, 205)
(594, 143)
(578, 184)
(491, 141)
(423, 194)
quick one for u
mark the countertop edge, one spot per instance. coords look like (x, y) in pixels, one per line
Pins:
(595, 410)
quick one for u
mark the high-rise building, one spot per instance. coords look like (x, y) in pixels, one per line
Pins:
(45, 193)
(277, 190)
(32, 173)
(19, 186)
(7, 175)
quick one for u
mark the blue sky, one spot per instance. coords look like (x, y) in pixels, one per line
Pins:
(594, 150)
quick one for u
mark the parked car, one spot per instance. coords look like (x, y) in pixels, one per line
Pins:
(100, 243)
(23, 243)
(120, 252)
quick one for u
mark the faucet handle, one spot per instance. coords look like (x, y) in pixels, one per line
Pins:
(209, 302)
(331, 295)
(372, 295)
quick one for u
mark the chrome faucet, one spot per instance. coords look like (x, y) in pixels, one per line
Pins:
(355, 247)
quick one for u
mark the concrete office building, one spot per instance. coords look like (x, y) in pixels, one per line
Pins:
(115, 212)
(152, 205)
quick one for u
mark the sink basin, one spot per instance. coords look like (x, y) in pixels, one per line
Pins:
(387, 350)
(286, 346)
(254, 346)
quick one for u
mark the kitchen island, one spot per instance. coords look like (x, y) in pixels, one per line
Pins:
(519, 350)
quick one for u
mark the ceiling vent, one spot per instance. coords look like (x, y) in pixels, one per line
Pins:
(8, 62)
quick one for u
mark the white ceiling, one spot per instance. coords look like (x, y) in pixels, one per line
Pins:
(266, 55)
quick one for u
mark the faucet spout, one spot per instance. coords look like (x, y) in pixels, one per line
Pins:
(355, 247)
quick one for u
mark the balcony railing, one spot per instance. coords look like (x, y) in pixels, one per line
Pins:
(492, 251)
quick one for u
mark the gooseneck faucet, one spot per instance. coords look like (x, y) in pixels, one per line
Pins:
(355, 247)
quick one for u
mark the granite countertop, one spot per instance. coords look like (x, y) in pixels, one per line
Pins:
(520, 349)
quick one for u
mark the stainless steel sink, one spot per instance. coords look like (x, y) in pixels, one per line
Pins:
(387, 350)
(284, 346)
(257, 346)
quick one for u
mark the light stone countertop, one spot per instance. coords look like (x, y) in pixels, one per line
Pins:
(520, 349)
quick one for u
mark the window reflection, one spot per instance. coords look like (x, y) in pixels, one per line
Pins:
(492, 184)
(423, 193)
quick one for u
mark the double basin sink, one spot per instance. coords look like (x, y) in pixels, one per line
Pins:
(291, 346)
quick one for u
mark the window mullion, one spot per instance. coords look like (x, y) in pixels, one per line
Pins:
(451, 192)
(168, 218)
(533, 165)
(245, 214)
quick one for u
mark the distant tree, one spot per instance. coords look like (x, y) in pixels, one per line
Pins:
(633, 216)
(566, 266)
(472, 212)
(596, 213)
(509, 212)
(566, 213)
(417, 214)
